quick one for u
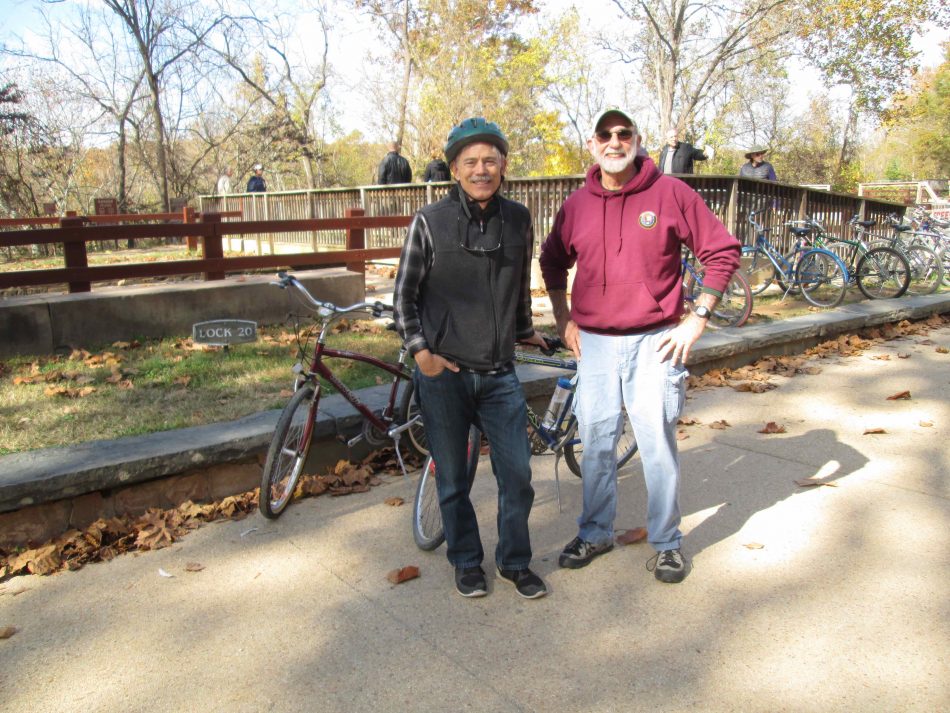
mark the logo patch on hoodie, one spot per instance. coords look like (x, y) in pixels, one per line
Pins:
(648, 219)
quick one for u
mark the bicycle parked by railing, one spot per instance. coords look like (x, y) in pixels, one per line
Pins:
(735, 305)
(554, 431)
(292, 438)
(880, 272)
(924, 252)
(819, 274)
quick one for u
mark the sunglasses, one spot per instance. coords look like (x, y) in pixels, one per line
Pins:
(603, 136)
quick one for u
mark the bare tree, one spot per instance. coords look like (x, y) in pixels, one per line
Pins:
(688, 49)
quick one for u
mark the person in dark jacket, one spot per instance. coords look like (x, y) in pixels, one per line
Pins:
(436, 169)
(678, 156)
(256, 183)
(757, 166)
(462, 299)
(394, 168)
(623, 232)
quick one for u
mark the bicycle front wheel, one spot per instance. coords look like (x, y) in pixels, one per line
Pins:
(883, 273)
(758, 269)
(288, 452)
(574, 449)
(734, 306)
(427, 529)
(926, 270)
(821, 278)
(409, 409)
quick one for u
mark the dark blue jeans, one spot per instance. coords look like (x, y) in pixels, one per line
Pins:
(450, 403)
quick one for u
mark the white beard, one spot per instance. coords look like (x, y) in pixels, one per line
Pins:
(617, 165)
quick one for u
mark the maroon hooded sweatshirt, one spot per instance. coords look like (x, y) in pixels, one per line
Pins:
(626, 245)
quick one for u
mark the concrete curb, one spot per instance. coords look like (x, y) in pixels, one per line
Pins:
(52, 474)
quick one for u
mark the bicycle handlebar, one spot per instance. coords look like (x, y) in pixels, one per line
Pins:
(328, 309)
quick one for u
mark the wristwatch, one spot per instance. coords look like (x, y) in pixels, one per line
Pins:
(702, 312)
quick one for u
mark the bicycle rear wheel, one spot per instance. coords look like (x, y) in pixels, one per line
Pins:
(734, 306)
(574, 449)
(821, 278)
(882, 273)
(288, 451)
(926, 270)
(427, 529)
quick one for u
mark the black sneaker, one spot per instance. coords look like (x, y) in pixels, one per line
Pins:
(579, 553)
(528, 584)
(668, 566)
(470, 581)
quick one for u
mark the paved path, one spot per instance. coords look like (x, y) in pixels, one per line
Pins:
(844, 607)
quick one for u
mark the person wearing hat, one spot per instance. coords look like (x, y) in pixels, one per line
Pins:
(256, 183)
(462, 299)
(757, 166)
(623, 231)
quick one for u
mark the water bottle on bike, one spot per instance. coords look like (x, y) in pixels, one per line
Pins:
(562, 393)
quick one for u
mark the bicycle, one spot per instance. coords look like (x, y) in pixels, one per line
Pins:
(819, 274)
(555, 432)
(926, 265)
(880, 272)
(291, 442)
(735, 305)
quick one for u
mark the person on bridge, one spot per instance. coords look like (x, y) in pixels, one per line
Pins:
(394, 168)
(757, 166)
(224, 181)
(436, 169)
(624, 231)
(462, 299)
(256, 183)
(678, 156)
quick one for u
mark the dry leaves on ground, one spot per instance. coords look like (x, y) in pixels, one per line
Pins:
(7, 631)
(629, 537)
(899, 396)
(398, 576)
(873, 431)
(720, 425)
(772, 427)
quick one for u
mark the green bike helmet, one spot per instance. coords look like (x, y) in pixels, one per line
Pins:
(471, 131)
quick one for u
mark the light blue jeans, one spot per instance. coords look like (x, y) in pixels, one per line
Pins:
(626, 371)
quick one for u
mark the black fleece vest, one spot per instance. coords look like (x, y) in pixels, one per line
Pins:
(468, 300)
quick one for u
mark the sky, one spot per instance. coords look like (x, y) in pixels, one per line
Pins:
(350, 42)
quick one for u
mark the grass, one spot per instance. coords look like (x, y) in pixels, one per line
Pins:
(130, 388)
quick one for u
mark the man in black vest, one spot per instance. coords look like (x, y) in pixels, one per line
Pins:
(462, 299)
(677, 156)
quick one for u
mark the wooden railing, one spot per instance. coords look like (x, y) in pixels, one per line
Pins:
(731, 198)
(75, 232)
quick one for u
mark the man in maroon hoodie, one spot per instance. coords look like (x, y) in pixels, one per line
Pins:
(623, 231)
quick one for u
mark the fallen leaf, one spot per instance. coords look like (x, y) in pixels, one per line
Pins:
(720, 425)
(942, 350)
(182, 380)
(772, 427)
(681, 435)
(926, 424)
(754, 546)
(899, 395)
(754, 387)
(398, 576)
(7, 631)
(903, 355)
(194, 567)
(395, 502)
(629, 537)
(882, 357)
(869, 431)
(687, 422)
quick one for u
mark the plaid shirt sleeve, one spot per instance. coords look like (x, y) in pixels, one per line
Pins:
(414, 264)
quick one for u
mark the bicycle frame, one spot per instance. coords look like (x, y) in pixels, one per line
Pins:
(551, 437)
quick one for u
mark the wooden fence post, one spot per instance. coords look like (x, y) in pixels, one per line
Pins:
(74, 251)
(732, 207)
(211, 244)
(355, 240)
(189, 216)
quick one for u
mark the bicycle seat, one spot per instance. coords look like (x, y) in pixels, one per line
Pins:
(901, 227)
(866, 223)
(800, 232)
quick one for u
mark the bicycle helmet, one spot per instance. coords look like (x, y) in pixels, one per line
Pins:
(471, 131)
